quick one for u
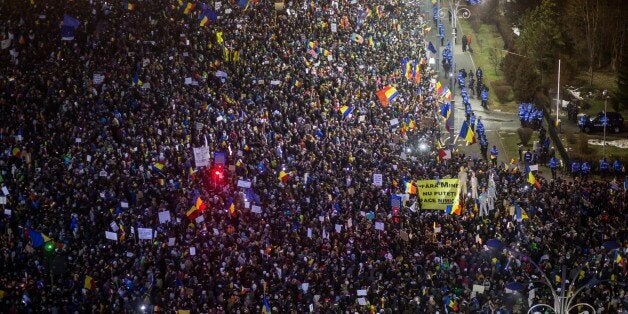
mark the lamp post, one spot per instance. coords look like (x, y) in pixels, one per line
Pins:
(604, 122)
(562, 301)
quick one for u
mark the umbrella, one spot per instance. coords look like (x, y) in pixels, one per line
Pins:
(494, 244)
(515, 286)
(610, 245)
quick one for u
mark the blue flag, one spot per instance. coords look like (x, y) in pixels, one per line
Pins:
(37, 239)
(243, 3)
(431, 48)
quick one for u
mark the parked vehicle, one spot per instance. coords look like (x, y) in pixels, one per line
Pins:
(615, 122)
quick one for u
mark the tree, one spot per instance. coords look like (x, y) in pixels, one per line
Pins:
(526, 81)
(583, 19)
(541, 36)
(622, 81)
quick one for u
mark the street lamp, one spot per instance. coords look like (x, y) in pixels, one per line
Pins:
(562, 302)
(604, 122)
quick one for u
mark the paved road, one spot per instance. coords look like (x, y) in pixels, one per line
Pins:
(494, 121)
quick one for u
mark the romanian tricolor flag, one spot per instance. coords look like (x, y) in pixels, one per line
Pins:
(346, 111)
(206, 16)
(232, 210)
(447, 94)
(265, 306)
(283, 176)
(199, 204)
(439, 88)
(466, 133)
(188, 7)
(410, 188)
(386, 95)
(417, 73)
(411, 124)
(192, 213)
(408, 70)
(158, 166)
(455, 208)
(532, 180)
(445, 110)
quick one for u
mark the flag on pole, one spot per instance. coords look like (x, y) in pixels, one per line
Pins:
(386, 95)
(283, 176)
(466, 133)
(346, 111)
(431, 48)
(207, 15)
(532, 180)
(411, 188)
(265, 306)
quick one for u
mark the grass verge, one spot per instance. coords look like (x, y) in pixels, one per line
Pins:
(487, 54)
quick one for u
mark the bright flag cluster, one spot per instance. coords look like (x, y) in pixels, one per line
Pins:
(386, 95)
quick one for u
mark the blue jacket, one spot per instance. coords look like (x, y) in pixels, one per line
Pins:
(553, 163)
(575, 167)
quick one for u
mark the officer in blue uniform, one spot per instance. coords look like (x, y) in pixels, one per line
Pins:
(617, 167)
(603, 167)
(585, 169)
(494, 154)
(575, 168)
(553, 165)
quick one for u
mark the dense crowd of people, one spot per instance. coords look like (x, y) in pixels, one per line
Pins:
(97, 136)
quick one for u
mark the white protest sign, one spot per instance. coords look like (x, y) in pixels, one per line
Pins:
(192, 251)
(114, 226)
(256, 209)
(362, 301)
(171, 241)
(3, 200)
(244, 184)
(305, 286)
(5, 190)
(379, 225)
(199, 219)
(534, 167)
(7, 212)
(362, 292)
(394, 122)
(201, 156)
(309, 233)
(334, 27)
(98, 78)
(124, 204)
(338, 228)
(145, 233)
(378, 179)
(111, 235)
(164, 216)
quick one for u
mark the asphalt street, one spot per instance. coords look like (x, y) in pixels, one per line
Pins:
(494, 121)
